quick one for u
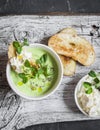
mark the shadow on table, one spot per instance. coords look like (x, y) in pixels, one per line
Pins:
(3, 63)
(68, 95)
(45, 40)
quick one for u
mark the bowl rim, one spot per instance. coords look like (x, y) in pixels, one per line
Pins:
(57, 83)
(78, 86)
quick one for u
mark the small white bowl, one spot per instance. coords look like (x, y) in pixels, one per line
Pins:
(77, 89)
(54, 87)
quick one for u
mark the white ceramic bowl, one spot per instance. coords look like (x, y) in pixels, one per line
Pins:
(77, 89)
(54, 87)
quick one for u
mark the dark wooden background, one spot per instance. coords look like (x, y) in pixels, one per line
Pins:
(48, 6)
(13, 7)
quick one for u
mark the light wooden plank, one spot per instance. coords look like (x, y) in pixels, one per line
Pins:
(16, 112)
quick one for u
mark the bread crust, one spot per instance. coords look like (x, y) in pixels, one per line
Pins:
(69, 30)
(11, 51)
(73, 46)
(69, 65)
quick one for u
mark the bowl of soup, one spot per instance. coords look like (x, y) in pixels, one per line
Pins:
(35, 71)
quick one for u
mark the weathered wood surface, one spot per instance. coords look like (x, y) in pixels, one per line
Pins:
(16, 112)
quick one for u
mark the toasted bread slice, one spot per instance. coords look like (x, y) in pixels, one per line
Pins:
(69, 65)
(70, 31)
(73, 46)
(11, 51)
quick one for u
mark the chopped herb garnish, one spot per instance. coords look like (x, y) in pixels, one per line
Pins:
(96, 80)
(23, 77)
(38, 61)
(89, 91)
(18, 46)
(27, 63)
(94, 83)
(42, 60)
(97, 85)
(88, 87)
(92, 73)
(19, 49)
(86, 84)
(33, 70)
(40, 71)
(25, 42)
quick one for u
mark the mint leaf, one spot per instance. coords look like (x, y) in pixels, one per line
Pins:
(21, 75)
(89, 91)
(97, 85)
(92, 73)
(19, 49)
(27, 63)
(17, 46)
(87, 84)
(33, 70)
(96, 80)
(25, 79)
(47, 71)
(25, 42)
(40, 71)
(43, 58)
(38, 61)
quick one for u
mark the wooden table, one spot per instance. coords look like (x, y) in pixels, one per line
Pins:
(16, 112)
